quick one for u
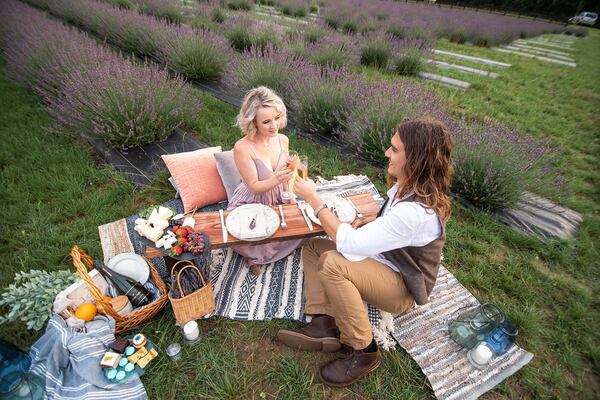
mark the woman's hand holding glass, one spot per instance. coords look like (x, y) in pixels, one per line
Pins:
(283, 174)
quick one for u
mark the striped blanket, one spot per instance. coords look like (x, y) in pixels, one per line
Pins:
(68, 361)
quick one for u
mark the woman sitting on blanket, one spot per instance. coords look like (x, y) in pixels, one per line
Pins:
(260, 157)
(391, 262)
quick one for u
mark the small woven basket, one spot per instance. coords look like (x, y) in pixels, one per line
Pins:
(194, 305)
(128, 321)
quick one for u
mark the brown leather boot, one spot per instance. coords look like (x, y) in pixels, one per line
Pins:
(321, 334)
(345, 371)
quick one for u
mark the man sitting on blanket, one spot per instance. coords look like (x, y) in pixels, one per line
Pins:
(392, 262)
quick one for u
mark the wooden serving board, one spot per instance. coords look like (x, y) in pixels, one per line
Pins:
(210, 223)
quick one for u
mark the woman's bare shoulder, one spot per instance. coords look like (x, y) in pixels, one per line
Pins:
(285, 141)
(241, 145)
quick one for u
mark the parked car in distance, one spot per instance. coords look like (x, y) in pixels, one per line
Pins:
(585, 18)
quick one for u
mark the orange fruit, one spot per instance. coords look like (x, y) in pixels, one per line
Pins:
(86, 312)
(99, 306)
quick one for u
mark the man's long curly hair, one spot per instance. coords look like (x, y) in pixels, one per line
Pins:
(428, 168)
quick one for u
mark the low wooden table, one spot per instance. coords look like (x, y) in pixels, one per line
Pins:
(210, 223)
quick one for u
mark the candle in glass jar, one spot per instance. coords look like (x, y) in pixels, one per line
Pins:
(191, 331)
(480, 355)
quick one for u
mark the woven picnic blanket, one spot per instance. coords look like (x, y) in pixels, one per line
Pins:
(277, 292)
(423, 333)
(67, 361)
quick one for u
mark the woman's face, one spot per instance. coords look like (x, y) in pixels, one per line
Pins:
(397, 158)
(267, 122)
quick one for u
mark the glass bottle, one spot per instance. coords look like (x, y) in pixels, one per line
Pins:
(138, 295)
(503, 337)
(472, 326)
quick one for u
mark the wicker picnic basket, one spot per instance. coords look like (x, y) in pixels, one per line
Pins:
(128, 321)
(194, 305)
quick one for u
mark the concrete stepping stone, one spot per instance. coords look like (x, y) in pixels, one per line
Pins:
(462, 68)
(543, 43)
(444, 80)
(471, 58)
(539, 52)
(548, 51)
(541, 58)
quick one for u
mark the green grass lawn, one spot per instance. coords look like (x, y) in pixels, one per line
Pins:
(56, 192)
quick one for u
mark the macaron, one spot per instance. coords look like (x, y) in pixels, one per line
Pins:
(139, 340)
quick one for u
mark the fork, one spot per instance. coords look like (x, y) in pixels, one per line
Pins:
(283, 223)
(359, 215)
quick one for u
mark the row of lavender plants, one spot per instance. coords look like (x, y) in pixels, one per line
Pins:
(493, 163)
(491, 167)
(86, 87)
(171, 10)
(197, 54)
(484, 29)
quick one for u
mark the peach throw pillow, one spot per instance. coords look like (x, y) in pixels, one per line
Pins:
(196, 176)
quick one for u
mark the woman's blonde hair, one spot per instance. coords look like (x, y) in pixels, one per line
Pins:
(255, 99)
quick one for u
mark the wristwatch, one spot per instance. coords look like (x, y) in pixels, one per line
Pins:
(320, 208)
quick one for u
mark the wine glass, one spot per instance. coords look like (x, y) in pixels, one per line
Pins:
(291, 163)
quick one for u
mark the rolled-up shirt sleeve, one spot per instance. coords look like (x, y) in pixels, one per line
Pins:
(394, 230)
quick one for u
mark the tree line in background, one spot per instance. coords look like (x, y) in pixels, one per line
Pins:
(556, 9)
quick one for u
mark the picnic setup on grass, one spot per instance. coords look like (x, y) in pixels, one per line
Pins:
(252, 227)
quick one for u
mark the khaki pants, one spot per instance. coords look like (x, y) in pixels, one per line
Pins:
(337, 287)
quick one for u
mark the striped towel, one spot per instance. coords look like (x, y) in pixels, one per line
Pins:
(68, 361)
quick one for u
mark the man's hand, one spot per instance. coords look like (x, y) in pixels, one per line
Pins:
(306, 189)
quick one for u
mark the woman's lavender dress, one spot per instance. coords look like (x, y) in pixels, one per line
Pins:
(270, 252)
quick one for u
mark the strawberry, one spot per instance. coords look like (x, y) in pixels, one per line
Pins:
(176, 251)
(176, 228)
(184, 231)
(182, 240)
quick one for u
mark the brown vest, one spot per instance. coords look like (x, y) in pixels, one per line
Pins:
(418, 265)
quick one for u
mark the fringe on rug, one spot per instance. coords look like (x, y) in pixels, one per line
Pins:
(383, 333)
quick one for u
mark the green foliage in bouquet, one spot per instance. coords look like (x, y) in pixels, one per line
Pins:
(32, 294)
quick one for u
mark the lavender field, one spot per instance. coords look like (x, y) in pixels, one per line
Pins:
(326, 92)
(130, 72)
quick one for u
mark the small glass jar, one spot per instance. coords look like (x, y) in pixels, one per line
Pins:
(174, 351)
(191, 332)
(472, 326)
(480, 355)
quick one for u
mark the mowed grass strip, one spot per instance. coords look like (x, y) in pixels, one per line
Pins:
(58, 194)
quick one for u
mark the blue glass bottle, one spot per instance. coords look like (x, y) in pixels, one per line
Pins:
(503, 337)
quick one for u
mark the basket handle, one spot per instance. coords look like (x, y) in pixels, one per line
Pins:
(187, 262)
(82, 263)
(191, 265)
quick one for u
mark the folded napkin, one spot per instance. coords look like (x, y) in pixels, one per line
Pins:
(249, 230)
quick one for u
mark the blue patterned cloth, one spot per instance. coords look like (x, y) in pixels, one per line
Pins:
(68, 361)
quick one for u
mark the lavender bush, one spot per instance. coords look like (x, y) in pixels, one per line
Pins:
(334, 51)
(319, 96)
(244, 32)
(375, 52)
(170, 10)
(262, 67)
(87, 88)
(493, 164)
(292, 8)
(197, 55)
(376, 110)
(124, 103)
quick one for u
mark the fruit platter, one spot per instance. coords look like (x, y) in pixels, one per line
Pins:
(173, 235)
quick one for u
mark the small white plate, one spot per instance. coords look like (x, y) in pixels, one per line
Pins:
(130, 265)
(234, 225)
(344, 209)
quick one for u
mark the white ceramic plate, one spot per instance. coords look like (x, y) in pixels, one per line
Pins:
(343, 208)
(234, 222)
(130, 265)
